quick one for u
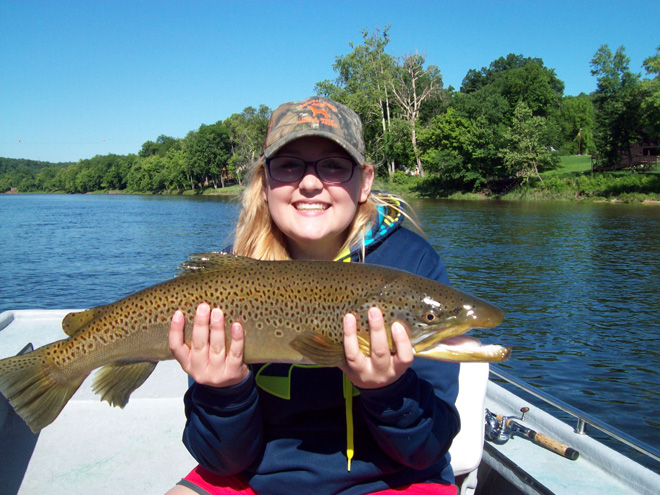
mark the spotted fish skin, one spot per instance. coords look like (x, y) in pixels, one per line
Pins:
(291, 311)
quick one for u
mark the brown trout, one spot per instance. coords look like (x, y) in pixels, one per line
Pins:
(291, 312)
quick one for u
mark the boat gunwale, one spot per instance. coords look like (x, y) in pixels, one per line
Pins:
(582, 417)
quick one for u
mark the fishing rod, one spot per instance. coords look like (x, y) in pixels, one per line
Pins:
(500, 428)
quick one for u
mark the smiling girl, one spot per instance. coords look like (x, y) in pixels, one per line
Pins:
(382, 423)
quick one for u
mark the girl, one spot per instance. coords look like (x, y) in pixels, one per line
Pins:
(380, 424)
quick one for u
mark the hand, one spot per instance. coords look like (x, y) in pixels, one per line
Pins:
(207, 360)
(382, 367)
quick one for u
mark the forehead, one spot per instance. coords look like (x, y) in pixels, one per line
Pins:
(312, 147)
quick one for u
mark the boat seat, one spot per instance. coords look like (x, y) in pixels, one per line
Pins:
(467, 447)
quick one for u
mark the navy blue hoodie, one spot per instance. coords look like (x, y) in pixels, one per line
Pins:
(284, 428)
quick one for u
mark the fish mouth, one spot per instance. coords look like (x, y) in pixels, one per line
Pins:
(464, 349)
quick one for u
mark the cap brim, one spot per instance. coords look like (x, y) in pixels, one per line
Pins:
(274, 148)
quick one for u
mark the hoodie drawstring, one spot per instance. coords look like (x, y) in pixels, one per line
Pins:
(348, 399)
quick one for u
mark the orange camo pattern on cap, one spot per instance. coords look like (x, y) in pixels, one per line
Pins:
(315, 116)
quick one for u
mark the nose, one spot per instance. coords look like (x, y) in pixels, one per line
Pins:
(310, 181)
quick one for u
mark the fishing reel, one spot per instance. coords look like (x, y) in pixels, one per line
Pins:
(499, 429)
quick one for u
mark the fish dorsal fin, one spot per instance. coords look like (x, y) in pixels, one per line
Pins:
(75, 322)
(198, 262)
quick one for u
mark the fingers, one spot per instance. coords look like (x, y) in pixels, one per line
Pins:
(200, 335)
(235, 353)
(383, 366)
(351, 347)
(380, 346)
(176, 341)
(404, 349)
(208, 360)
(216, 339)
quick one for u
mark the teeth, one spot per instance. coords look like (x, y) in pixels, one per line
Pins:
(311, 206)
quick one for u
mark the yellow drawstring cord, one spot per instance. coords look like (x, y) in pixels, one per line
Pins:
(348, 398)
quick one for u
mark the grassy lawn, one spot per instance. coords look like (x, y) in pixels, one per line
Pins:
(571, 165)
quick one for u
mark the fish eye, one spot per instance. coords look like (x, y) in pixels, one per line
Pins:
(429, 316)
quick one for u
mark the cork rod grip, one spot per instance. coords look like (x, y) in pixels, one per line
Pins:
(553, 445)
(543, 440)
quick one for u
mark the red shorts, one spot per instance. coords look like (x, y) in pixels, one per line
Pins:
(204, 482)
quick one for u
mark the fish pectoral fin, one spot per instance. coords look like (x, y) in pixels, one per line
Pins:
(74, 322)
(115, 382)
(319, 349)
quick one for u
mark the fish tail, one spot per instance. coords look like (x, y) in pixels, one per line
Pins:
(32, 387)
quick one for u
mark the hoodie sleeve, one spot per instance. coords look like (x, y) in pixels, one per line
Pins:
(413, 422)
(224, 429)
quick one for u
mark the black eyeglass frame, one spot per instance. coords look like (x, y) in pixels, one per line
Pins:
(316, 169)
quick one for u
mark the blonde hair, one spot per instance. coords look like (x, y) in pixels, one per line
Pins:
(258, 237)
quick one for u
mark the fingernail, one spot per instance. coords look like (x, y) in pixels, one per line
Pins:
(215, 314)
(374, 312)
(178, 316)
(203, 309)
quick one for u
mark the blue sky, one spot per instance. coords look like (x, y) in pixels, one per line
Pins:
(81, 78)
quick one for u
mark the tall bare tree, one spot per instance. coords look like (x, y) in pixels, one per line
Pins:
(413, 85)
(364, 81)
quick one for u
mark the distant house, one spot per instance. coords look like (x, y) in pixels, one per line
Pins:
(644, 155)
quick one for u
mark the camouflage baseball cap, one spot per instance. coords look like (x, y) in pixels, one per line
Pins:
(315, 116)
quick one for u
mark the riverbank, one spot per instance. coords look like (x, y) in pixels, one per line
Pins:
(572, 180)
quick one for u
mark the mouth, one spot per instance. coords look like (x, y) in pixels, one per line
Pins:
(310, 207)
(463, 349)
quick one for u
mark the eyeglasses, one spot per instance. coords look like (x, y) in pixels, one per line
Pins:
(331, 170)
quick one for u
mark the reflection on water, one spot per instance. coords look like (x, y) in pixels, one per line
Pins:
(579, 282)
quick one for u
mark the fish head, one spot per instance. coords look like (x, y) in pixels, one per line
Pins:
(433, 313)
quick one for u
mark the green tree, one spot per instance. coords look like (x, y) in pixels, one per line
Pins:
(618, 104)
(160, 147)
(651, 95)
(576, 120)
(247, 132)
(173, 174)
(527, 153)
(209, 153)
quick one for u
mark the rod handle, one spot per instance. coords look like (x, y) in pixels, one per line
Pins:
(553, 445)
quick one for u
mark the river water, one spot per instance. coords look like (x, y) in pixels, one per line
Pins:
(579, 281)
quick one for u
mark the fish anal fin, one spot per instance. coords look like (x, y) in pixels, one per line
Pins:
(115, 382)
(74, 322)
(319, 349)
(33, 390)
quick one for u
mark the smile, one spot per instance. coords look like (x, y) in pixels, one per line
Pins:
(310, 206)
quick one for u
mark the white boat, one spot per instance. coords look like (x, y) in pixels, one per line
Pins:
(94, 448)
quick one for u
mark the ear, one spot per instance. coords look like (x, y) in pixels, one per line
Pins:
(367, 182)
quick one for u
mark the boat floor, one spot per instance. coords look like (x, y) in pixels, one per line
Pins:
(92, 447)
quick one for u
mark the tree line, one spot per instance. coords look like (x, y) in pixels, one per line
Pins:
(506, 124)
